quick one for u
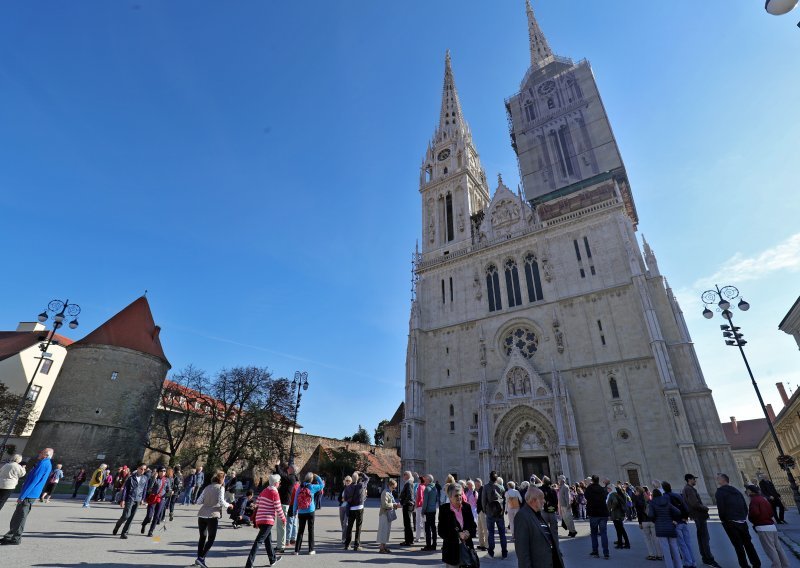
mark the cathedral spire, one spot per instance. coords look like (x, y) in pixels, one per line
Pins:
(541, 53)
(451, 118)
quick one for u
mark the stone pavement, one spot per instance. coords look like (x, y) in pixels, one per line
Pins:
(62, 534)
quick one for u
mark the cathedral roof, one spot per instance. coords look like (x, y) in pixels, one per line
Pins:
(132, 328)
(13, 342)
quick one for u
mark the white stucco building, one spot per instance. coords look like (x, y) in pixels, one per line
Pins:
(542, 339)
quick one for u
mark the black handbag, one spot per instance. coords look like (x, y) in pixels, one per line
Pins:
(468, 556)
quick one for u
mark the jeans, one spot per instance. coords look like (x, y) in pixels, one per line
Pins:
(354, 517)
(89, 495)
(599, 526)
(291, 528)
(264, 537)
(75, 490)
(187, 496)
(739, 535)
(685, 544)
(305, 519)
(672, 556)
(127, 516)
(343, 510)
(18, 519)
(430, 530)
(4, 495)
(280, 529)
(703, 540)
(491, 524)
(208, 533)
(153, 516)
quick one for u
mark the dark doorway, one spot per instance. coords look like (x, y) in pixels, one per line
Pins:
(535, 466)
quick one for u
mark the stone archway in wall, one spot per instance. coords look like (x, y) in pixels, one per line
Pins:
(525, 442)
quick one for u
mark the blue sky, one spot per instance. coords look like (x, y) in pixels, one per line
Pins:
(254, 165)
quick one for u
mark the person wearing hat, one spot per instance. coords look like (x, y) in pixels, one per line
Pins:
(156, 499)
(699, 514)
(760, 514)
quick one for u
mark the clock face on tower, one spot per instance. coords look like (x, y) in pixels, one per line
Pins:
(546, 87)
(444, 154)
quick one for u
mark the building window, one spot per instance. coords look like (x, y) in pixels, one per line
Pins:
(612, 382)
(591, 269)
(428, 173)
(563, 138)
(451, 288)
(551, 103)
(577, 249)
(521, 338)
(34, 393)
(475, 419)
(493, 288)
(408, 434)
(448, 374)
(45, 368)
(533, 279)
(448, 206)
(602, 335)
(583, 273)
(472, 445)
(529, 114)
(452, 410)
(443, 290)
(452, 426)
(114, 375)
(586, 246)
(512, 284)
(633, 477)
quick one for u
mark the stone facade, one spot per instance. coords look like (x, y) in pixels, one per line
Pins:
(791, 322)
(542, 339)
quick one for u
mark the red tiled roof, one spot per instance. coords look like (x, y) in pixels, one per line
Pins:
(132, 328)
(13, 342)
(749, 433)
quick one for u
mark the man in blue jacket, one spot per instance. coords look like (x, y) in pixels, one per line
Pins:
(133, 492)
(34, 484)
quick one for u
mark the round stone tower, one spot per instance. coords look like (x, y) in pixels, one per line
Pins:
(105, 395)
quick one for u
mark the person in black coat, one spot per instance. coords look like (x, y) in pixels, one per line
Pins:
(536, 543)
(451, 530)
(768, 490)
(407, 502)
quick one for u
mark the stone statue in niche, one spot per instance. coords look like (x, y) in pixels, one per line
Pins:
(519, 382)
(460, 221)
(431, 224)
(619, 410)
(483, 354)
(546, 272)
(559, 340)
(476, 287)
(504, 214)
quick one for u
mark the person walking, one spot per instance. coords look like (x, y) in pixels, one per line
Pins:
(288, 479)
(565, 505)
(212, 502)
(176, 478)
(268, 510)
(597, 511)
(535, 544)
(483, 532)
(771, 494)
(456, 526)
(133, 492)
(665, 517)
(77, 481)
(305, 507)
(617, 509)
(646, 525)
(31, 489)
(10, 474)
(156, 498)
(108, 481)
(344, 507)
(52, 482)
(188, 486)
(97, 479)
(119, 482)
(732, 510)
(354, 495)
(386, 515)
(513, 502)
(760, 514)
(493, 500)
(408, 505)
(291, 517)
(199, 483)
(699, 513)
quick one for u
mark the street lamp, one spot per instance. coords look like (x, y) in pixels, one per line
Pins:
(779, 7)
(61, 312)
(299, 382)
(734, 338)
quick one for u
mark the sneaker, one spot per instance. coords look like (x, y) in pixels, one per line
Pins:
(505, 554)
(274, 562)
(123, 536)
(293, 541)
(314, 551)
(491, 553)
(200, 562)
(605, 556)
(595, 554)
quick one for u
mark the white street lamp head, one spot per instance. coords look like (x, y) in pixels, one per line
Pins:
(43, 317)
(73, 324)
(708, 314)
(744, 306)
(779, 7)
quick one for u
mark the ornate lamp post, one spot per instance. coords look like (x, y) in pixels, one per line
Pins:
(299, 382)
(61, 312)
(722, 297)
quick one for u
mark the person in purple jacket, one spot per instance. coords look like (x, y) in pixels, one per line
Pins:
(34, 483)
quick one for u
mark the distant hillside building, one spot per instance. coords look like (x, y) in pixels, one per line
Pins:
(19, 354)
(392, 431)
(101, 406)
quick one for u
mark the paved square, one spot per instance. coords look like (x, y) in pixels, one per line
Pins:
(61, 534)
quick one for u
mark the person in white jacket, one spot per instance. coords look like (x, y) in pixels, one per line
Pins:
(10, 475)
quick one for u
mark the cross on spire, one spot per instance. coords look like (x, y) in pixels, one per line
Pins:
(540, 49)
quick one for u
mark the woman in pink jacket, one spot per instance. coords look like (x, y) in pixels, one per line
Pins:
(268, 509)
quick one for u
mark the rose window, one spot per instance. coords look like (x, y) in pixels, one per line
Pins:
(523, 339)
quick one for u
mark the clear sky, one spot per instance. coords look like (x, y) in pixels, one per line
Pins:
(255, 167)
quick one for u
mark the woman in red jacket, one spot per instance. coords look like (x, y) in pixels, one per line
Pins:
(760, 514)
(268, 509)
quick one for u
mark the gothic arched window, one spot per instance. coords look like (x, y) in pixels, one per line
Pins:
(452, 410)
(551, 103)
(612, 382)
(512, 284)
(448, 212)
(529, 113)
(533, 279)
(493, 288)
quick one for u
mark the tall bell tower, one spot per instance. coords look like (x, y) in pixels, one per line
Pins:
(452, 182)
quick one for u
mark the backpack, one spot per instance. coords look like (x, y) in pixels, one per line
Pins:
(304, 498)
(493, 506)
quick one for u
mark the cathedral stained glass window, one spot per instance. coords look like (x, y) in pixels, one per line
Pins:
(522, 339)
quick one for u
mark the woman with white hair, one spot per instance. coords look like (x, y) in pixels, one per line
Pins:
(344, 508)
(9, 477)
(384, 520)
(268, 510)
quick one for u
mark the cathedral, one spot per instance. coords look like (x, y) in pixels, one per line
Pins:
(542, 339)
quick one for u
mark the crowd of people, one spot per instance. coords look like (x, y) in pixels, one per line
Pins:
(439, 517)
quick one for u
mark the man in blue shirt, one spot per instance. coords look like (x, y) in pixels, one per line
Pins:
(34, 483)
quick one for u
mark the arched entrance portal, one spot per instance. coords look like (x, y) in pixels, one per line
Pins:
(525, 443)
